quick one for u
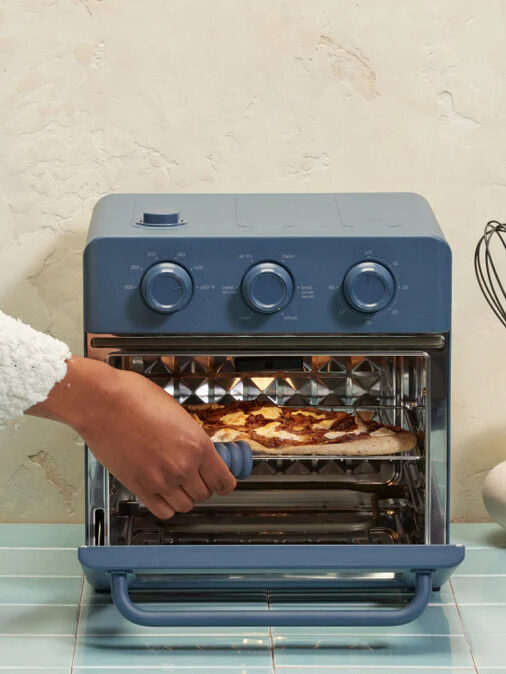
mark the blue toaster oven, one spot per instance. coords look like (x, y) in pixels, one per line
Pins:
(338, 301)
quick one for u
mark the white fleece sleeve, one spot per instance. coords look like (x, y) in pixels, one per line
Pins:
(31, 363)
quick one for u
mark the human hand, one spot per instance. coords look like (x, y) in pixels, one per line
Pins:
(140, 434)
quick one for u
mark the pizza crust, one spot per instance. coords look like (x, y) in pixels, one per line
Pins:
(374, 445)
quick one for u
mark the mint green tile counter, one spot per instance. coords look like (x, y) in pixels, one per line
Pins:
(51, 620)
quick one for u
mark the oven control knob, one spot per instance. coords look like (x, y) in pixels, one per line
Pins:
(167, 287)
(369, 286)
(267, 287)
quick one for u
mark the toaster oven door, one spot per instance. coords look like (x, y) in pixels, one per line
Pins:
(165, 571)
(312, 523)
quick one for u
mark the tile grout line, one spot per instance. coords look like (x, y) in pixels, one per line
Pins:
(270, 634)
(468, 641)
(26, 547)
(178, 668)
(386, 668)
(129, 635)
(78, 620)
(27, 575)
(479, 575)
(42, 603)
(252, 668)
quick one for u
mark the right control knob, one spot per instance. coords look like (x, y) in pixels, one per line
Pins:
(369, 286)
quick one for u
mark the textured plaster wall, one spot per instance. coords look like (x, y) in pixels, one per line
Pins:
(258, 95)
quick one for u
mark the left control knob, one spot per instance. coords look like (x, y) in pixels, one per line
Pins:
(167, 287)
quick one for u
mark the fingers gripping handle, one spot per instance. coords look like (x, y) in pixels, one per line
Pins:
(237, 456)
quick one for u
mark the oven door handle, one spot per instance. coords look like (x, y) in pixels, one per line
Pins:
(341, 617)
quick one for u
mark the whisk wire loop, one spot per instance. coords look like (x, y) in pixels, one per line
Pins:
(485, 268)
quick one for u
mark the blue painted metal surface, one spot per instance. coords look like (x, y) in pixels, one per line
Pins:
(274, 557)
(398, 231)
(275, 566)
(345, 617)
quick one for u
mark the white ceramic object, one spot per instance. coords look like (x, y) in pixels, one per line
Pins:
(494, 493)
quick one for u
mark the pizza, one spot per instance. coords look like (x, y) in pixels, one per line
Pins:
(278, 430)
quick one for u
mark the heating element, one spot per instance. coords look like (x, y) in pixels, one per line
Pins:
(339, 302)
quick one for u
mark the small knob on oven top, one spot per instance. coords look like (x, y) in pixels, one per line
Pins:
(167, 287)
(267, 287)
(369, 286)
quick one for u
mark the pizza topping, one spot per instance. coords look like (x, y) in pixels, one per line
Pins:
(227, 435)
(274, 426)
(384, 430)
(271, 412)
(309, 413)
(272, 430)
(234, 419)
(325, 424)
(333, 435)
(346, 423)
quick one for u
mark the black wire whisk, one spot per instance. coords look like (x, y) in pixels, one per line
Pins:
(486, 270)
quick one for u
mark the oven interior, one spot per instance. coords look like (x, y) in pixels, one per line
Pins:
(290, 499)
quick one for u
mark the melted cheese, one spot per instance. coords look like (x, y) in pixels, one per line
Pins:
(308, 413)
(235, 418)
(270, 412)
(383, 431)
(326, 423)
(226, 435)
(271, 431)
(332, 435)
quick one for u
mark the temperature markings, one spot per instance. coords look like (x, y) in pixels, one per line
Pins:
(229, 290)
(307, 292)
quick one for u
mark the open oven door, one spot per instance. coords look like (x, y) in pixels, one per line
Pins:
(165, 569)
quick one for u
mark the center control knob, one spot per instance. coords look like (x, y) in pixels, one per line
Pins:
(369, 286)
(167, 287)
(267, 287)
